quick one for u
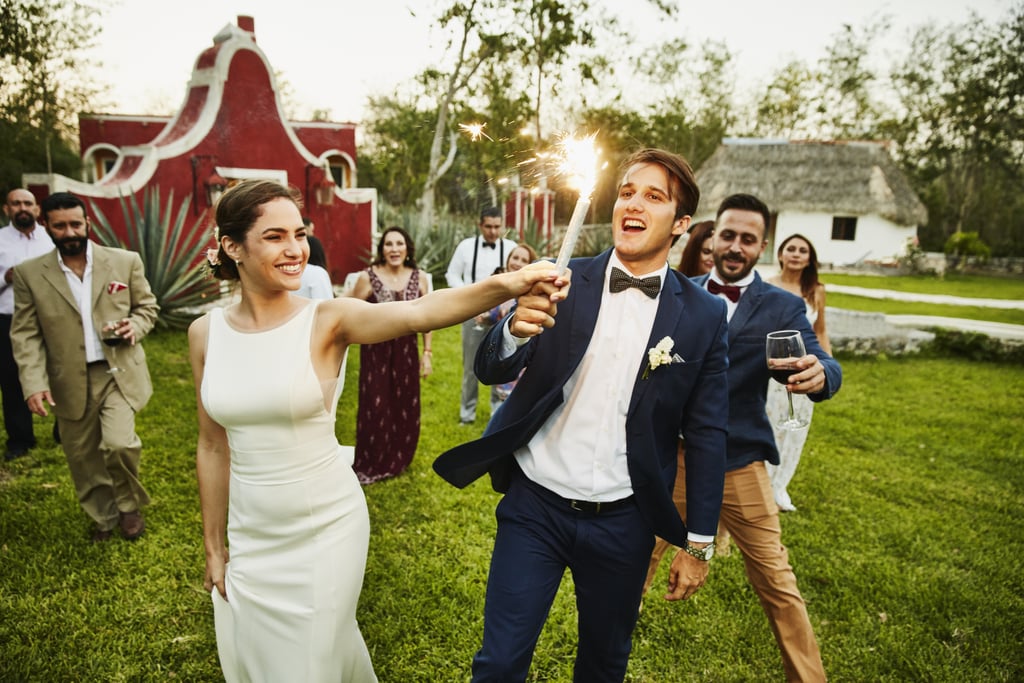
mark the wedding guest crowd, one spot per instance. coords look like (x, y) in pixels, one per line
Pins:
(630, 411)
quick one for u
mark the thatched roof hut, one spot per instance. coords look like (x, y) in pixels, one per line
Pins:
(836, 178)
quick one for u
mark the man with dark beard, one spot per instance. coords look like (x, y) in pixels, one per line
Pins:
(66, 302)
(749, 512)
(20, 240)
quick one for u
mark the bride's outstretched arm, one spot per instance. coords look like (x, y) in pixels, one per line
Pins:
(350, 321)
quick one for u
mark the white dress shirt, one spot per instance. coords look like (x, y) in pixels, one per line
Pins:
(580, 451)
(82, 291)
(460, 269)
(17, 247)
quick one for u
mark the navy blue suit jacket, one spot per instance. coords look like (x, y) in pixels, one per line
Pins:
(763, 308)
(689, 398)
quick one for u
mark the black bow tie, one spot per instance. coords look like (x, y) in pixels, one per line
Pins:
(489, 245)
(731, 292)
(621, 281)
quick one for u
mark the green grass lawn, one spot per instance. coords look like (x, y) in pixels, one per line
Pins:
(894, 307)
(908, 545)
(953, 284)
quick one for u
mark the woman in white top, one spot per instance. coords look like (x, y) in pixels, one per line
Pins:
(798, 263)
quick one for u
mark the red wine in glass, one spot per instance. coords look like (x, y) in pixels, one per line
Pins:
(782, 349)
(110, 337)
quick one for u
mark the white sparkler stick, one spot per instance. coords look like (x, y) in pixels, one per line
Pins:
(572, 233)
(580, 163)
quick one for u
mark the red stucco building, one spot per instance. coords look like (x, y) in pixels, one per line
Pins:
(230, 127)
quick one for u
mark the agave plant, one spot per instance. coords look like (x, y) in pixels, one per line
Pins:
(170, 253)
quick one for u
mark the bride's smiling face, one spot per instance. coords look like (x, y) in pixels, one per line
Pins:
(275, 249)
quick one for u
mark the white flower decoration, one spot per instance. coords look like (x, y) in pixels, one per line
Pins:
(660, 355)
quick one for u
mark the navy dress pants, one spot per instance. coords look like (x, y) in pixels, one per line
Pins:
(539, 536)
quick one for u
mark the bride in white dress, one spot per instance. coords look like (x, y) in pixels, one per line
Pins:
(275, 488)
(798, 274)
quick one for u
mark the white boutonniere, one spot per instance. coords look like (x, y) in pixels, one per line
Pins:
(660, 355)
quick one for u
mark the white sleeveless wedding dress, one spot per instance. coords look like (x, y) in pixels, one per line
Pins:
(789, 442)
(298, 527)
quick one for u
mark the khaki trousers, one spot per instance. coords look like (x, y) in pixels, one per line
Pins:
(102, 451)
(751, 516)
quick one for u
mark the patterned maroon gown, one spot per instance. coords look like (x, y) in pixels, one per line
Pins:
(388, 421)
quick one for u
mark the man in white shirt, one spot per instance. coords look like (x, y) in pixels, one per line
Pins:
(585, 447)
(474, 259)
(23, 238)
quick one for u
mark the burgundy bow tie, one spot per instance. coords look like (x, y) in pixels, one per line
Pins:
(732, 292)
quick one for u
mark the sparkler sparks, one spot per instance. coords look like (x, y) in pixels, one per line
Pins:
(475, 131)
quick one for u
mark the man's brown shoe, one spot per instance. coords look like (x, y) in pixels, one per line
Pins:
(100, 536)
(132, 525)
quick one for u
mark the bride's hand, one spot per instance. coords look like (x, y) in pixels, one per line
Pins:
(216, 566)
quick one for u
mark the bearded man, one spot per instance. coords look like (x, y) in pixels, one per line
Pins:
(79, 314)
(21, 239)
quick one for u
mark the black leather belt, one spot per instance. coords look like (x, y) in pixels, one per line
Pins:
(587, 506)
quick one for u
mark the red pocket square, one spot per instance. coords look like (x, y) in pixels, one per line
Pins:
(115, 287)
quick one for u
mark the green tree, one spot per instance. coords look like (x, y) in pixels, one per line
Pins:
(549, 31)
(961, 129)
(42, 53)
(471, 44)
(840, 98)
(783, 108)
(396, 150)
(692, 114)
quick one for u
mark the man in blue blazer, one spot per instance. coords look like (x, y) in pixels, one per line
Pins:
(585, 446)
(749, 511)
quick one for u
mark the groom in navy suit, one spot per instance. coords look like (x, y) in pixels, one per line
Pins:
(585, 446)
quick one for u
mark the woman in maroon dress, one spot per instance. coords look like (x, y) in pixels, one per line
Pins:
(388, 421)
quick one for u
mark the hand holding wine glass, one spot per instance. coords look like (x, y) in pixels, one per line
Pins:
(783, 349)
(111, 335)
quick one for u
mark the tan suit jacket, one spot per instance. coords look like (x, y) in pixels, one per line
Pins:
(46, 331)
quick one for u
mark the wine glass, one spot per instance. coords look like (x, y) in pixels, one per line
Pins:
(110, 337)
(782, 349)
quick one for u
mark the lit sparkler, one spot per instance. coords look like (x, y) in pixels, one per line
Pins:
(579, 164)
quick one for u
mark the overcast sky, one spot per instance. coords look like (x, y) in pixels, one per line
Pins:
(334, 53)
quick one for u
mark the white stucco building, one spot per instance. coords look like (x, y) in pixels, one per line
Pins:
(849, 199)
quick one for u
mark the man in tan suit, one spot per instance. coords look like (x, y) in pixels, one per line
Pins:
(66, 301)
